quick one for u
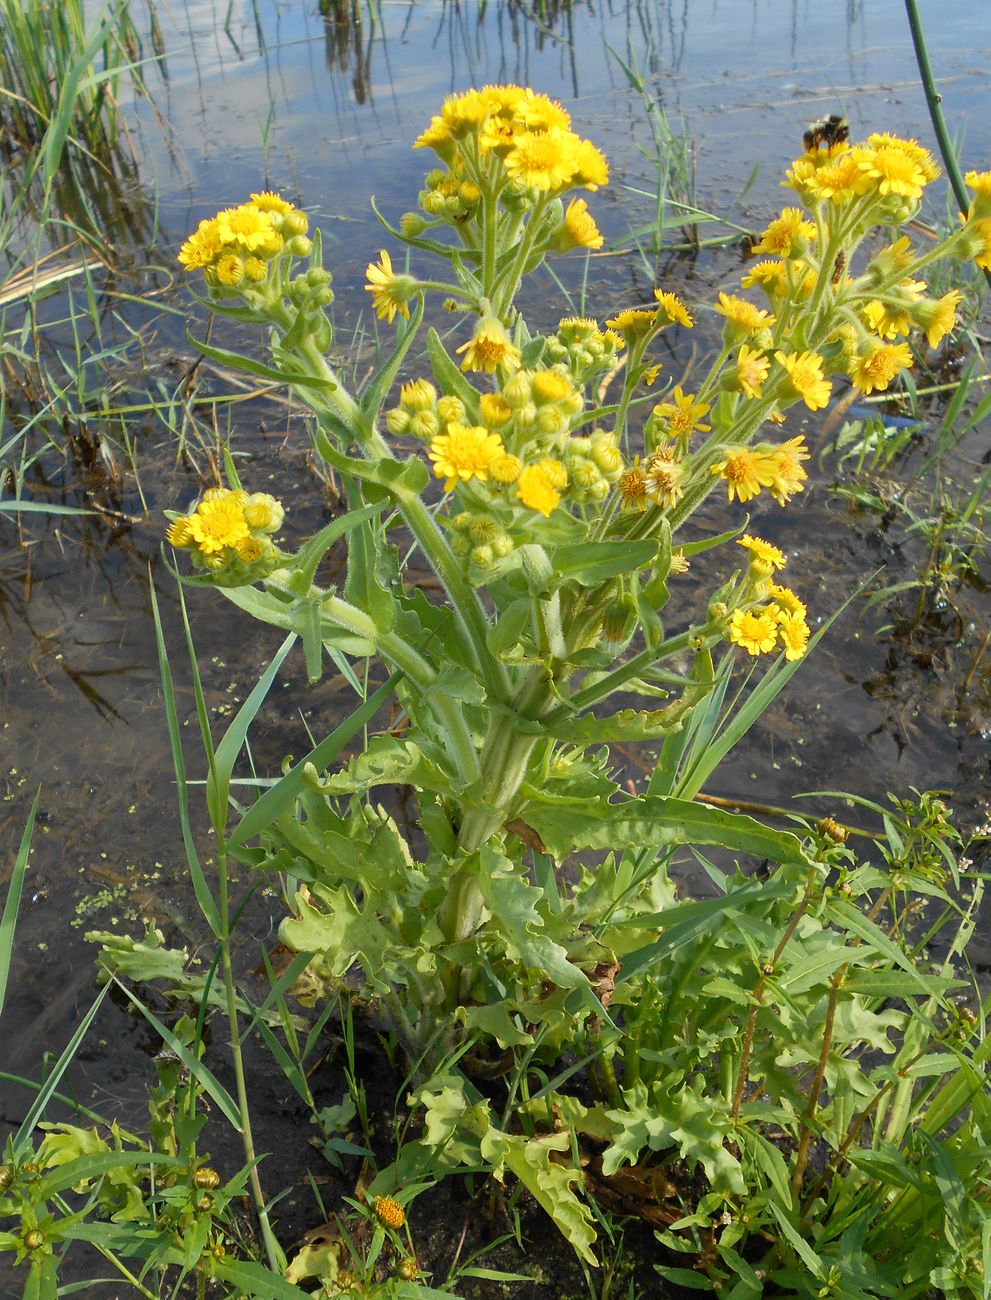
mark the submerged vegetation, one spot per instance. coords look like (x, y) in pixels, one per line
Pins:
(724, 1047)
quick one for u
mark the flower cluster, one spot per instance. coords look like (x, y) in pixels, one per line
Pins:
(229, 534)
(778, 624)
(235, 248)
(777, 467)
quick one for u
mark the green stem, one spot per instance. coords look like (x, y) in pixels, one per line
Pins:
(272, 1250)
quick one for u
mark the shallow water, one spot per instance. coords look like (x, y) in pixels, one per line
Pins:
(325, 109)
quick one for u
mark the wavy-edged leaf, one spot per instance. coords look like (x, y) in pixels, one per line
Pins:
(277, 800)
(447, 374)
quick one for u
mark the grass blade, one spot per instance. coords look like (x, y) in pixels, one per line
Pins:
(12, 905)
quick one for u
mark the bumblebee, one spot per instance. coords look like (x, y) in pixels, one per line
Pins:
(825, 133)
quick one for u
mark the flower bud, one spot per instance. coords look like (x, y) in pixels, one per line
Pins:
(483, 557)
(451, 409)
(411, 225)
(620, 620)
(206, 1179)
(33, 1239)
(551, 420)
(432, 203)
(316, 275)
(388, 1212)
(300, 246)
(516, 390)
(294, 224)
(424, 425)
(397, 421)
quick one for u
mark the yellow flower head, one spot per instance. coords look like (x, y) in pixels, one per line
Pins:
(418, 395)
(665, 476)
(578, 229)
(672, 311)
(937, 317)
(980, 183)
(743, 319)
(840, 180)
(785, 600)
(788, 235)
(389, 1212)
(877, 366)
(770, 276)
(978, 241)
(438, 137)
(634, 323)
(248, 227)
(535, 490)
(505, 469)
(490, 348)
(229, 270)
(544, 161)
(683, 415)
(886, 320)
(554, 471)
(750, 372)
(179, 533)
(922, 158)
(201, 248)
(391, 292)
(267, 201)
(891, 169)
(464, 452)
(536, 112)
(591, 169)
(805, 377)
(765, 559)
(218, 521)
(494, 409)
(745, 472)
(632, 487)
(756, 630)
(793, 634)
(787, 472)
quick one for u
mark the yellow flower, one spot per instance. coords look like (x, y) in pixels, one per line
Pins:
(390, 291)
(202, 247)
(505, 469)
(248, 549)
(389, 1212)
(891, 169)
(632, 487)
(978, 244)
(756, 630)
(750, 372)
(922, 158)
(249, 228)
(634, 323)
(494, 409)
(649, 376)
(937, 317)
(218, 521)
(464, 452)
(772, 277)
(673, 308)
(743, 319)
(418, 395)
(490, 348)
(840, 180)
(665, 478)
(787, 472)
(745, 472)
(535, 490)
(545, 162)
(875, 368)
(255, 269)
(788, 235)
(537, 112)
(793, 634)
(229, 270)
(805, 377)
(267, 201)
(886, 320)
(578, 229)
(683, 415)
(980, 183)
(765, 559)
(785, 600)
(554, 471)
(591, 169)
(179, 533)
(438, 137)
(465, 113)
